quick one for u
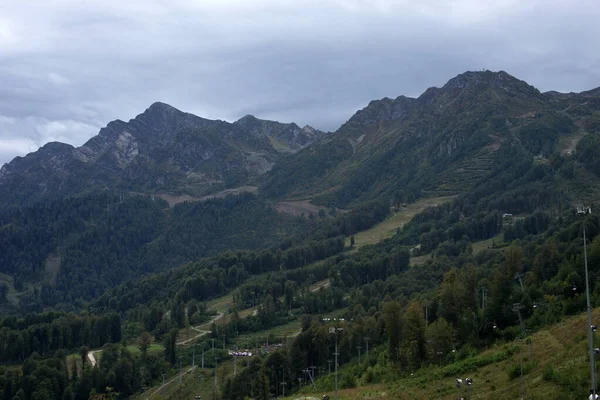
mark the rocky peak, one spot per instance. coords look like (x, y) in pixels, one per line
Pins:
(161, 119)
(385, 109)
(248, 121)
(52, 156)
(295, 138)
(480, 80)
(119, 143)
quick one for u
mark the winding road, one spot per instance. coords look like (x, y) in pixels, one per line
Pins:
(201, 332)
(91, 358)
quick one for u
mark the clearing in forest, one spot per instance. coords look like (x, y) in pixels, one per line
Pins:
(388, 227)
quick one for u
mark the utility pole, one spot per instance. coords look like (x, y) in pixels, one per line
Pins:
(216, 364)
(426, 315)
(283, 380)
(234, 365)
(517, 308)
(213, 346)
(522, 381)
(336, 332)
(439, 353)
(313, 368)
(329, 362)
(336, 354)
(367, 341)
(223, 342)
(468, 381)
(589, 315)
(519, 277)
(180, 376)
(312, 379)
(358, 348)
(483, 294)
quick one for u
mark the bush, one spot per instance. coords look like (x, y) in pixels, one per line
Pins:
(515, 370)
(348, 381)
(549, 374)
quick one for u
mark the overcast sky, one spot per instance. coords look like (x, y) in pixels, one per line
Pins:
(69, 67)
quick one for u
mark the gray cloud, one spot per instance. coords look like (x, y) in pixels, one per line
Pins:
(68, 67)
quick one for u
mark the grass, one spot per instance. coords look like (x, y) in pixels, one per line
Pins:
(12, 292)
(478, 247)
(134, 349)
(221, 304)
(497, 240)
(557, 369)
(388, 227)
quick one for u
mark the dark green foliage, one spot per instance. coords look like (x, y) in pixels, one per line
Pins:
(3, 293)
(44, 333)
(541, 134)
(170, 343)
(48, 378)
(588, 152)
(306, 165)
(100, 242)
(214, 276)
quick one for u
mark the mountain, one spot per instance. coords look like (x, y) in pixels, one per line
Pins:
(288, 138)
(161, 150)
(498, 142)
(514, 158)
(443, 142)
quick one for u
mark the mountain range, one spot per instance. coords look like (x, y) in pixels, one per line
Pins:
(444, 141)
(484, 135)
(160, 150)
(388, 229)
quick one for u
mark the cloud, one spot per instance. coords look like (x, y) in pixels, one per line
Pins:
(67, 68)
(57, 79)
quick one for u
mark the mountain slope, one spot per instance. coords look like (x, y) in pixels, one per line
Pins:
(443, 141)
(162, 149)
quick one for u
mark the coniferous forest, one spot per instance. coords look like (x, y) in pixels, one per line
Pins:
(103, 293)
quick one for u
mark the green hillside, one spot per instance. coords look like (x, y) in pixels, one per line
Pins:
(419, 228)
(445, 142)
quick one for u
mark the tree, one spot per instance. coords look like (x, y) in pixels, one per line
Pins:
(440, 336)
(414, 333)
(170, 343)
(262, 381)
(144, 342)
(178, 313)
(393, 327)
(83, 352)
(3, 293)
(68, 394)
(352, 241)
(74, 372)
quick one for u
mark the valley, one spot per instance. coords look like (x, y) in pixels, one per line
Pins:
(440, 232)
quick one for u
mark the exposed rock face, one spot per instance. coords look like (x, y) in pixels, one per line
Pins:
(287, 137)
(126, 149)
(51, 158)
(162, 149)
(385, 109)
